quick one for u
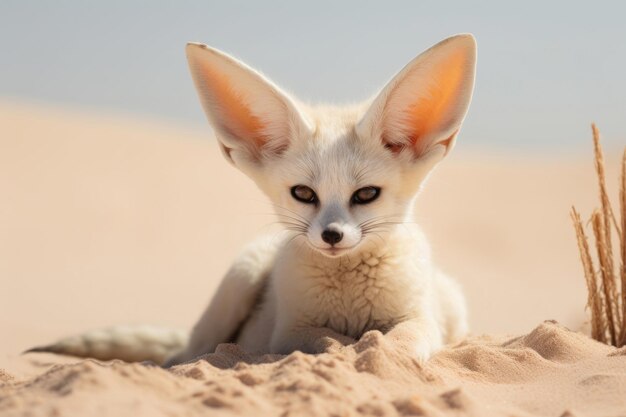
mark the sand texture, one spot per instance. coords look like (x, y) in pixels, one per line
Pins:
(110, 220)
(550, 371)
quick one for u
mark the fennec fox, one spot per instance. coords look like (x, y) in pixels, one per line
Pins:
(343, 181)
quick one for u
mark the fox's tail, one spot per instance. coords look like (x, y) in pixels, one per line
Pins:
(128, 343)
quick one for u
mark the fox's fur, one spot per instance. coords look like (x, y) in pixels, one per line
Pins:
(343, 182)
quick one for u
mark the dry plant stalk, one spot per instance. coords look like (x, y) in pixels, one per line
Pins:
(622, 194)
(598, 325)
(606, 286)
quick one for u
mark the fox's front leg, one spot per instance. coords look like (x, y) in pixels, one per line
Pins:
(236, 296)
(419, 336)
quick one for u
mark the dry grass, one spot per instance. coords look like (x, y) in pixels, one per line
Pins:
(606, 283)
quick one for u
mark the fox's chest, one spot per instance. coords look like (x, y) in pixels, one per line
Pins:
(365, 294)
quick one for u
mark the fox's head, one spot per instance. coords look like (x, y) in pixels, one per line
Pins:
(338, 176)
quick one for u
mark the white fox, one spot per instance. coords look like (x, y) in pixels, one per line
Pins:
(343, 181)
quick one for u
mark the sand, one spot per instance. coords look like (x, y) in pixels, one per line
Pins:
(551, 371)
(107, 220)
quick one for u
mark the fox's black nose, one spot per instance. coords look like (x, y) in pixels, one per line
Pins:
(332, 236)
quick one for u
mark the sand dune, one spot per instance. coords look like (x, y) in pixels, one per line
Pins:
(107, 220)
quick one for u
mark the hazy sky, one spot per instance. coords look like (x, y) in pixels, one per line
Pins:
(545, 68)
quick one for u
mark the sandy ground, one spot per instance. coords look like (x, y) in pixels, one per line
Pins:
(106, 220)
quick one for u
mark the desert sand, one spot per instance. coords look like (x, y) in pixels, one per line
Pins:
(108, 219)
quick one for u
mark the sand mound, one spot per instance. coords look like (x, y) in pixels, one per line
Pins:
(550, 371)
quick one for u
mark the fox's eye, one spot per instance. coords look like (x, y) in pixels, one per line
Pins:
(304, 194)
(365, 195)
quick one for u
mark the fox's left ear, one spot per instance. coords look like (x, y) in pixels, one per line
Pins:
(253, 119)
(420, 111)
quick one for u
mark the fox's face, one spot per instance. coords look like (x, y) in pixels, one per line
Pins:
(337, 188)
(339, 176)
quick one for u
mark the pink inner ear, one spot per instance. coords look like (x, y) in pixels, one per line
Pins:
(230, 105)
(435, 107)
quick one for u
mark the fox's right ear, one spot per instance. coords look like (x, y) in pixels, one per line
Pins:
(418, 114)
(252, 118)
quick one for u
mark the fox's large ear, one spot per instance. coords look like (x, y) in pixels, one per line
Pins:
(252, 118)
(421, 109)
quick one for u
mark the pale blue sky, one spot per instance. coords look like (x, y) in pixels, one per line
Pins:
(546, 69)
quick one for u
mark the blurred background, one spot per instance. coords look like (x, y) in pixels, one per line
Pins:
(116, 207)
(546, 69)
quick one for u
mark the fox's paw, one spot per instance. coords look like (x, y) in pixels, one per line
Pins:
(422, 352)
(417, 345)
